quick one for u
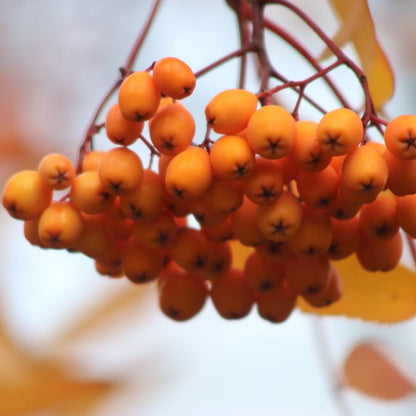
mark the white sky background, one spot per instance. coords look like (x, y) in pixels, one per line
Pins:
(67, 53)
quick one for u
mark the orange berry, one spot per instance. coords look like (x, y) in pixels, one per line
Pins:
(191, 250)
(271, 131)
(26, 195)
(189, 173)
(277, 305)
(92, 160)
(400, 136)
(262, 276)
(363, 176)
(231, 295)
(88, 193)
(378, 218)
(31, 231)
(146, 200)
(307, 274)
(345, 237)
(96, 239)
(219, 233)
(120, 171)
(288, 169)
(223, 196)
(141, 264)
(314, 234)
(340, 131)
(57, 171)
(318, 189)
(273, 251)
(205, 214)
(219, 263)
(157, 233)
(181, 295)
(402, 174)
(328, 295)
(280, 220)
(265, 184)
(174, 78)
(60, 225)
(244, 224)
(138, 96)
(172, 129)
(121, 130)
(307, 153)
(405, 214)
(232, 158)
(379, 255)
(108, 270)
(342, 209)
(230, 110)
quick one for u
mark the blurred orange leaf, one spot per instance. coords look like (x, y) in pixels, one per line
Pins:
(384, 297)
(374, 371)
(357, 26)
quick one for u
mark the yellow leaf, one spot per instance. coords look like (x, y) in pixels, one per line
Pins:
(359, 28)
(374, 371)
(384, 297)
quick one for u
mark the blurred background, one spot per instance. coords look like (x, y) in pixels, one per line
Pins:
(76, 343)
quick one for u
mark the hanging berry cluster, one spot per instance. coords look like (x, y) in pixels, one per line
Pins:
(300, 193)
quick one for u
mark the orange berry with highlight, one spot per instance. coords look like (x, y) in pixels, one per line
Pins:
(280, 220)
(57, 171)
(172, 129)
(189, 173)
(146, 201)
(182, 295)
(60, 225)
(138, 96)
(121, 130)
(400, 136)
(26, 195)
(340, 131)
(232, 158)
(271, 132)
(174, 78)
(231, 295)
(307, 153)
(88, 193)
(120, 171)
(399, 183)
(229, 111)
(265, 184)
(345, 238)
(92, 160)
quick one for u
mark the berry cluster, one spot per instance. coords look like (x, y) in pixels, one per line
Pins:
(300, 193)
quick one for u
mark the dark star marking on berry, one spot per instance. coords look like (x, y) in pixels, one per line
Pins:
(54, 238)
(173, 312)
(383, 229)
(410, 142)
(266, 285)
(240, 170)
(279, 228)
(178, 192)
(333, 142)
(311, 289)
(199, 262)
(135, 212)
(267, 193)
(167, 143)
(274, 145)
(162, 237)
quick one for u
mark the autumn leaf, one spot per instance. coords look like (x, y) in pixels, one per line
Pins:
(357, 26)
(374, 371)
(384, 297)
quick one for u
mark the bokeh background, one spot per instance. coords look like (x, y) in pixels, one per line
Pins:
(57, 59)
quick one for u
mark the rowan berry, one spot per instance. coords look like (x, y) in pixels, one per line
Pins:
(340, 131)
(121, 130)
(174, 78)
(120, 171)
(271, 131)
(307, 153)
(172, 129)
(400, 136)
(26, 195)
(278, 304)
(231, 295)
(138, 96)
(92, 160)
(219, 233)
(345, 238)
(60, 225)
(230, 110)
(181, 294)
(57, 171)
(232, 158)
(280, 220)
(405, 214)
(399, 183)
(88, 193)
(224, 196)
(189, 174)
(265, 184)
